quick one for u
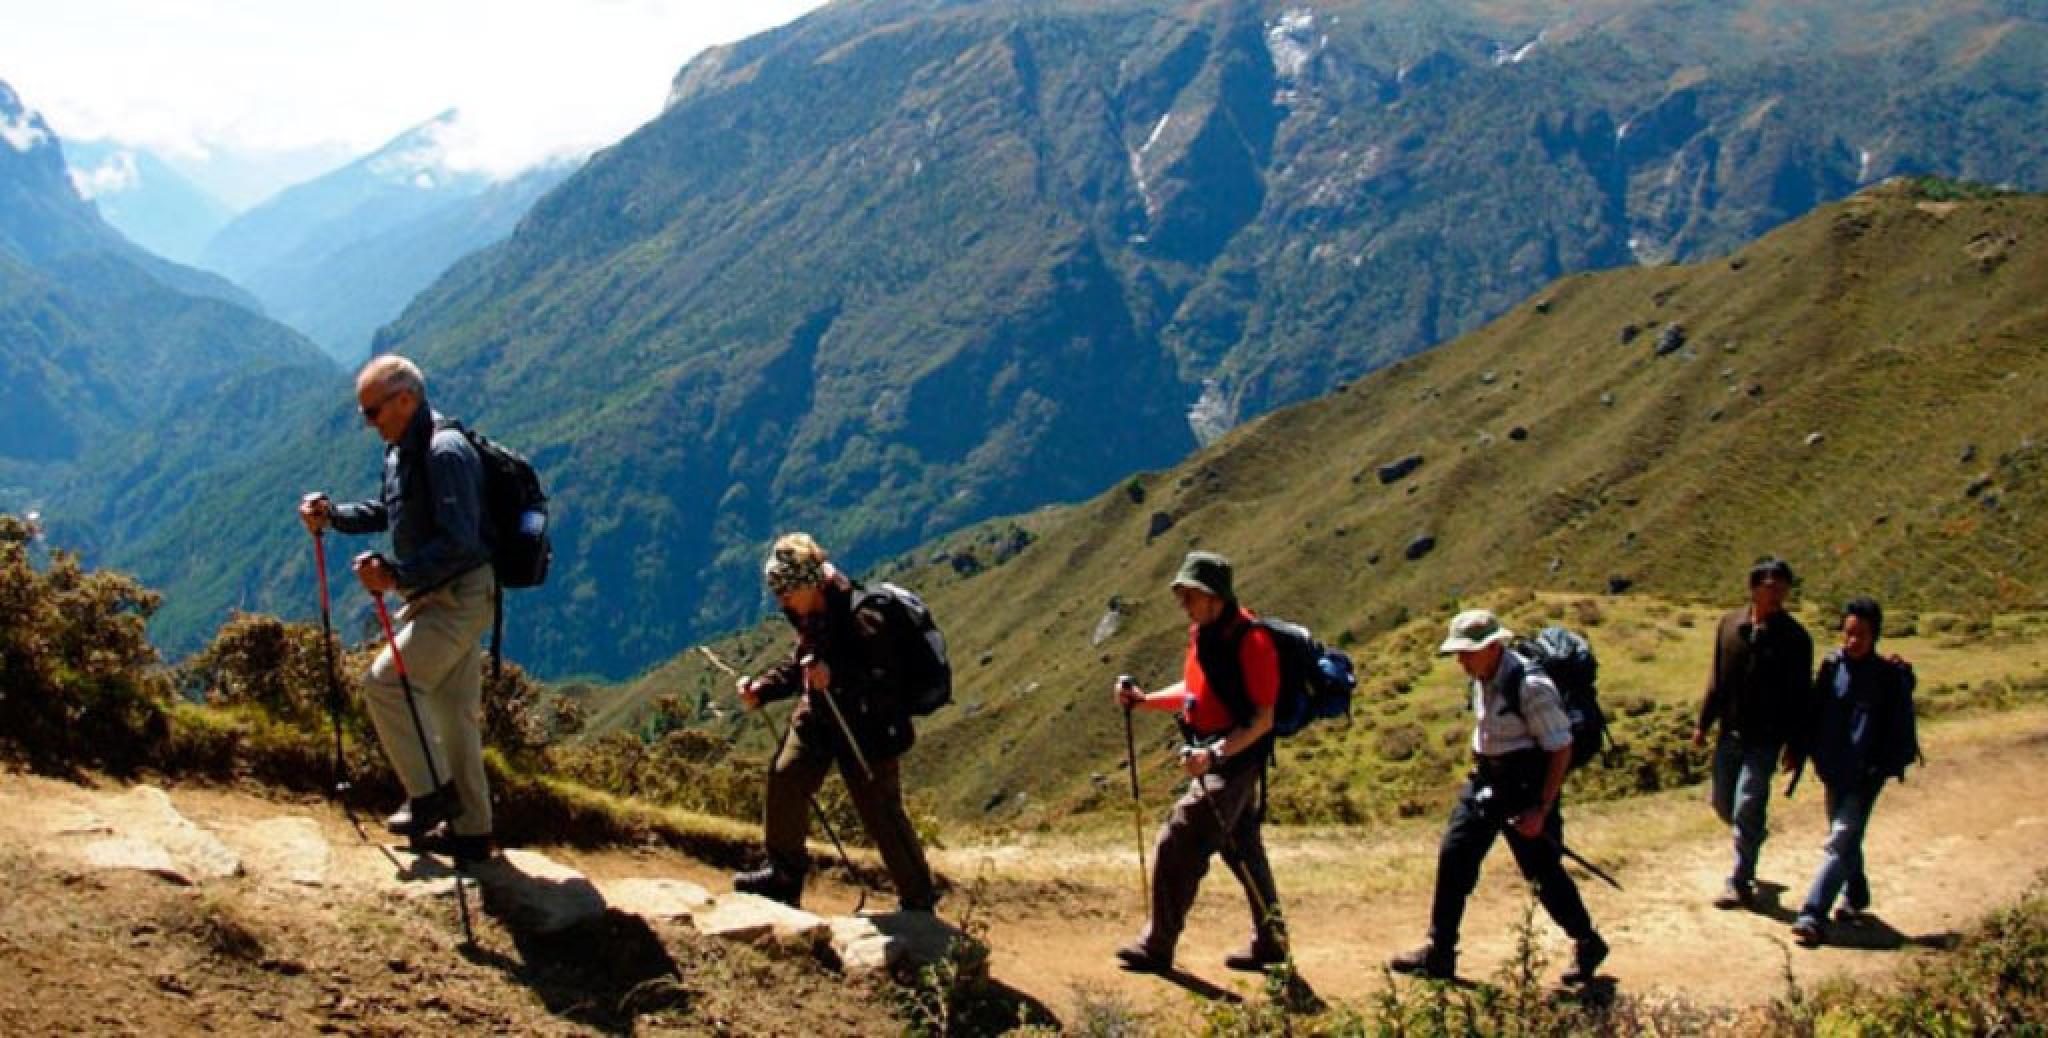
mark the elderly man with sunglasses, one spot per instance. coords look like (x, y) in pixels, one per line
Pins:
(431, 502)
(1758, 693)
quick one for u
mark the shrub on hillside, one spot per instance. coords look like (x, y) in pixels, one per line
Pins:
(79, 683)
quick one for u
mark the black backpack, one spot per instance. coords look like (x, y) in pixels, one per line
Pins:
(929, 685)
(1315, 681)
(1567, 658)
(514, 510)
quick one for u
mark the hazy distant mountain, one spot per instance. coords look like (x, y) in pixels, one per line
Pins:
(107, 354)
(340, 255)
(146, 199)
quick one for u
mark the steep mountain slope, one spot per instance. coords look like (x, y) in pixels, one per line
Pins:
(900, 266)
(43, 221)
(1861, 391)
(340, 255)
(146, 199)
(119, 371)
(904, 265)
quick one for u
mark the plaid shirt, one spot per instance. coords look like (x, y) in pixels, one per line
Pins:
(1541, 722)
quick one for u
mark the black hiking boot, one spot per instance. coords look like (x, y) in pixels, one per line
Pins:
(1257, 956)
(1587, 955)
(1809, 932)
(771, 883)
(1136, 958)
(1735, 895)
(421, 815)
(467, 849)
(1426, 961)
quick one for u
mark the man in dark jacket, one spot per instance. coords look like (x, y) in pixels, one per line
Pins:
(1863, 734)
(431, 502)
(1757, 692)
(1521, 749)
(849, 667)
(1230, 684)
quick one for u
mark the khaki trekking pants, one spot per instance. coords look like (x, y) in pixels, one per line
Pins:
(800, 769)
(441, 636)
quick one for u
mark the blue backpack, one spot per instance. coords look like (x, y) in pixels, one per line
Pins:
(1315, 681)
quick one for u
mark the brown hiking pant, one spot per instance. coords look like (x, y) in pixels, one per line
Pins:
(1214, 805)
(800, 768)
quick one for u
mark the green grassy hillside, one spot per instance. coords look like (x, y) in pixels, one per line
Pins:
(1860, 391)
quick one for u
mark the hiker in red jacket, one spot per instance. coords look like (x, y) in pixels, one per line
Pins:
(1229, 684)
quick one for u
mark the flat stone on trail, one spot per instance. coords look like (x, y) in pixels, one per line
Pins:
(289, 849)
(128, 852)
(756, 920)
(656, 899)
(144, 816)
(900, 943)
(534, 893)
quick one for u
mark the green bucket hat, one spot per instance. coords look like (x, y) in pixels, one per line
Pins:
(1206, 571)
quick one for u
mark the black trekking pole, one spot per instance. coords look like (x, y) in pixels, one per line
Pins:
(1798, 773)
(818, 812)
(1137, 804)
(1587, 865)
(1268, 913)
(341, 786)
(426, 746)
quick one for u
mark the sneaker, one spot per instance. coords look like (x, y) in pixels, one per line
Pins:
(421, 815)
(771, 883)
(1808, 932)
(1849, 915)
(1136, 958)
(1256, 957)
(1426, 961)
(1587, 955)
(1734, 895)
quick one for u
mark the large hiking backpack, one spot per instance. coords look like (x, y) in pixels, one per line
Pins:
(1315, 681)
(929, 684)
(514, 510)
(1567, 658)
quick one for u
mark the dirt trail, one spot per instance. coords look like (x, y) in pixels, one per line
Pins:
(1964, 836)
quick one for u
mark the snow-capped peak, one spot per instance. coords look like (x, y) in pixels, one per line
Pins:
(421, 157)
(21, 128)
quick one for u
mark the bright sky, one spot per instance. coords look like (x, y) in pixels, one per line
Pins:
(260, 80)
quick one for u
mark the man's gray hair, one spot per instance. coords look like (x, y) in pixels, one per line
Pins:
(394, 373)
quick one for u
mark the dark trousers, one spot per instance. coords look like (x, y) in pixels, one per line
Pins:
(1467, 840)
(806, 757)
(1215, 805)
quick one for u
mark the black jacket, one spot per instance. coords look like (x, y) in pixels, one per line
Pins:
(865, 650)
(1866, 731)
(1758, 687)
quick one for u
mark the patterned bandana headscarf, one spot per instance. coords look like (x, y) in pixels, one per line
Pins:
(787, 571)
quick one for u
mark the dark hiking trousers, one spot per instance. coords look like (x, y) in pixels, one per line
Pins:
(800, 769)
(1214, 805)
(1466, 842)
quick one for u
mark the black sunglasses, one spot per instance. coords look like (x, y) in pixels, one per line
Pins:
(370, 413)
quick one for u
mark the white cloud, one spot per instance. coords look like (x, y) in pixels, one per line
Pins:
(535, 79)
(117, 173)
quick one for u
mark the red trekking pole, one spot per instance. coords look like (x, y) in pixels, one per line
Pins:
(426, 747)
